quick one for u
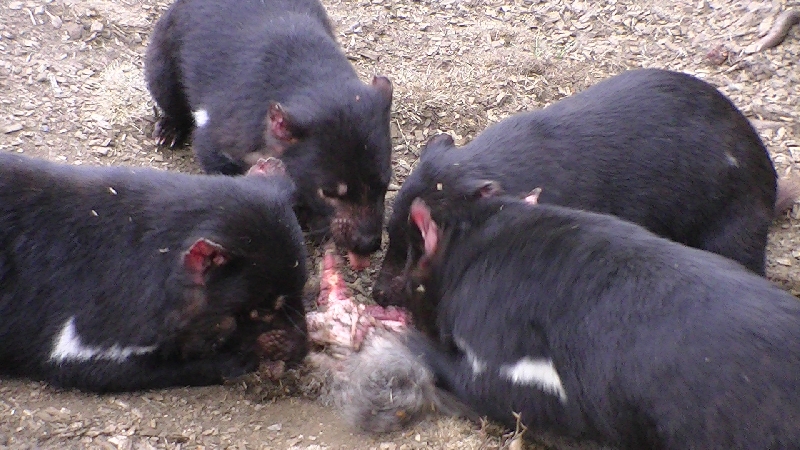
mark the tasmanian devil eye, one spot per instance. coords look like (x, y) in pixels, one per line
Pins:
(333, 192)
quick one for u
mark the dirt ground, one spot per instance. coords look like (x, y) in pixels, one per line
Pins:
(72, 90)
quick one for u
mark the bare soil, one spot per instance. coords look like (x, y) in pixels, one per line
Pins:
(72, 90)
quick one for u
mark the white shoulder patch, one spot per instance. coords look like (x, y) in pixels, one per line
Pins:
(69, 348)
(535, 372)
(200, 117)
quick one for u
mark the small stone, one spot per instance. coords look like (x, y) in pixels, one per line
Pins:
(55, 21)
(96, 26)
(294, 441)
(275, 427)
(10, 128)
(15, 5)
(369, 54)
(74, 30)
(784, 261)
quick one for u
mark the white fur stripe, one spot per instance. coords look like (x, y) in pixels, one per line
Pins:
(731, 159)
(68, 348)
(478, 366)
(535, 372)
(200, 117)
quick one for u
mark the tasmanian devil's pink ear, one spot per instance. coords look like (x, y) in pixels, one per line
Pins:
(203, 256)
(267, 166)
(421, 216)
(280, 128)
(533, 196)
(383, 85)
(487, 188)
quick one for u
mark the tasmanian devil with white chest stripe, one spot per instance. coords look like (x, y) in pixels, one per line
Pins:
(258, 78)
(592, 327)
(118, 279)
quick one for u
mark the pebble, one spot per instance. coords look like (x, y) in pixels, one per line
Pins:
(10, 128)
(74, 30)
(96, 26)
(55, 21)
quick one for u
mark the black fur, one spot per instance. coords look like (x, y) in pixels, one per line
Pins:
(651, 146)
(108, 246)
(657, 345)
(237, 59)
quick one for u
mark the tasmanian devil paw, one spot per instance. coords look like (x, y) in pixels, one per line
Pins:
(236, 365)
(167, 133)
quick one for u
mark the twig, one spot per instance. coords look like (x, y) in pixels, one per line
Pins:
(783, 23)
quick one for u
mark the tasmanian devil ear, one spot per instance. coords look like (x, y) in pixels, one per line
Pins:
(383, 85)
(487, 188)
(267, 166)
(440, 140)
(203, 256)
(533, 196)
(421, 216)
(280, 129)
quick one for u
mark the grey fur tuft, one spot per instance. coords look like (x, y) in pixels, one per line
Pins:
(384, 387)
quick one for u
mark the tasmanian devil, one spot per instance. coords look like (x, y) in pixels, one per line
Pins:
(267, 77)
(658, 148)
(115, 279)
(593, 327)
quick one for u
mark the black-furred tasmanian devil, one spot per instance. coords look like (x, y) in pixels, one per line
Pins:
(257, 78)
(659, 148)
(592, 327)
(119, 279)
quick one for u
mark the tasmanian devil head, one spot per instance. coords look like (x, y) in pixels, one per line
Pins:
(434, 172)
(242, 290)
(439, 220)
(337, 147)
(436, 220)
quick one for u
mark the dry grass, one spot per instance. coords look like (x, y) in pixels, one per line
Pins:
(119, 96)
